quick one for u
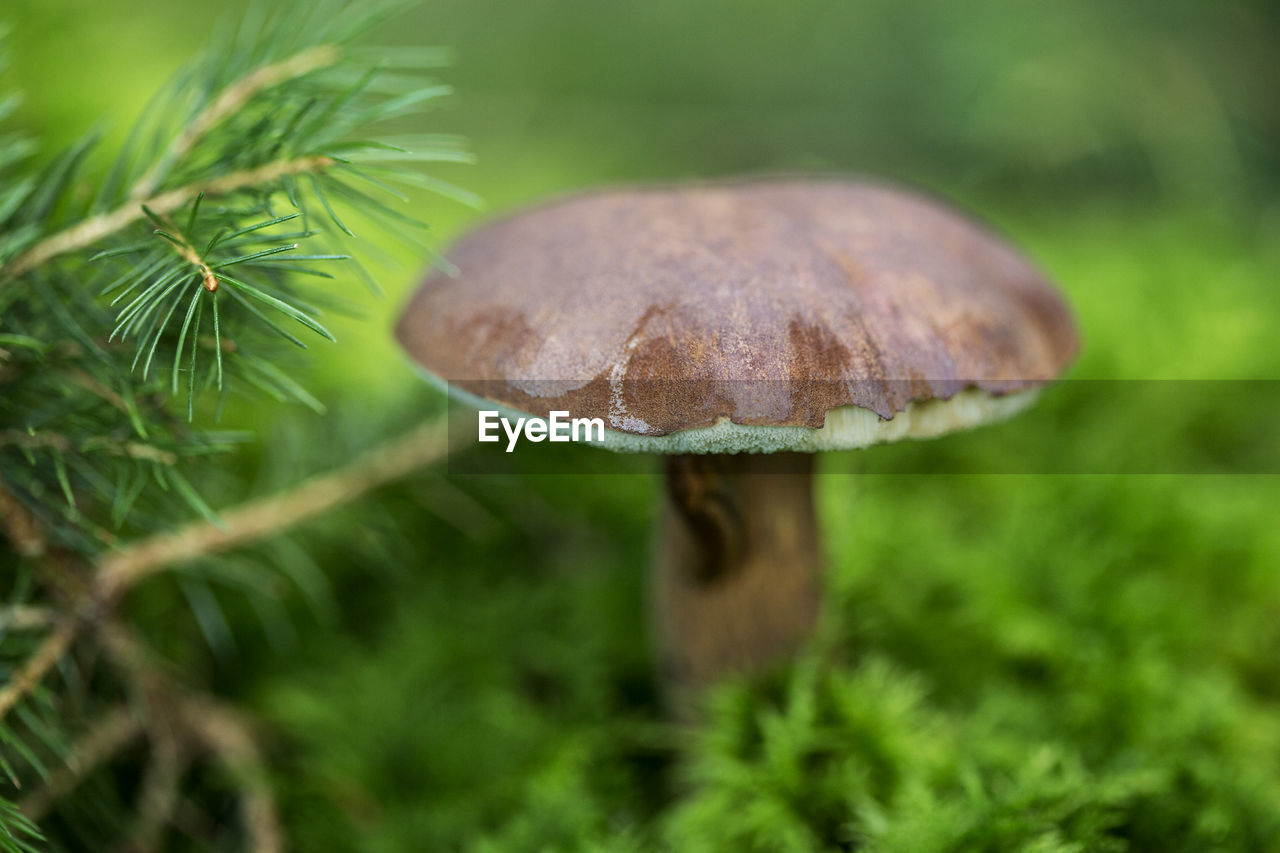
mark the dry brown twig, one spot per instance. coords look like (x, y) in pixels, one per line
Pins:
(180, 723)
(225, 735)
(158, 795)
(20, 527)
(192, 722)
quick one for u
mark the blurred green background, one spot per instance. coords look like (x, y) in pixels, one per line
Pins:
(1046, 663)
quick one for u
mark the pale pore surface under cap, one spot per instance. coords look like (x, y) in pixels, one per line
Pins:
(846, 427)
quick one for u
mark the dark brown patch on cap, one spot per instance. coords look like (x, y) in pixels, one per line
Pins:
(769, 302)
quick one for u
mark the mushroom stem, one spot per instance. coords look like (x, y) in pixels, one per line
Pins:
(736, 574)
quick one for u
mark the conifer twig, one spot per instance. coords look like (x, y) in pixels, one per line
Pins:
(19, 525)
(225, 734)
(239, 526)
(96, 388)
(158, 797)
(228, 102)
(273, 102)
(188, 253)
(90, 231)
(268, 516)
(106, 737)
(45, 657)
(24, 617)
(53, 441)
(200, 721)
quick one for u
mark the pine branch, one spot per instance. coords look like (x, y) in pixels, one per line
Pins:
(197, 720)
(226, 735)
(20, 617)
(158, 797)
(120, 571)
(207, 293)
(20, 526)
(270, 516)
(131, 449)
(113, 732)
(93, 231)
(231, 100)
(182, 245)
(46, 656)
(175, 269)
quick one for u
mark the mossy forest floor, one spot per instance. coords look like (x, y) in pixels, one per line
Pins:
(1007, 661)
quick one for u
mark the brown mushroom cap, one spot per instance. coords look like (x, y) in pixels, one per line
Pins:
(786, 304)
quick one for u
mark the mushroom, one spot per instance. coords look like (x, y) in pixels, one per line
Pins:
(740, 328)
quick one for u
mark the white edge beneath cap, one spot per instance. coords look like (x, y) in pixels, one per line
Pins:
(846, 428)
